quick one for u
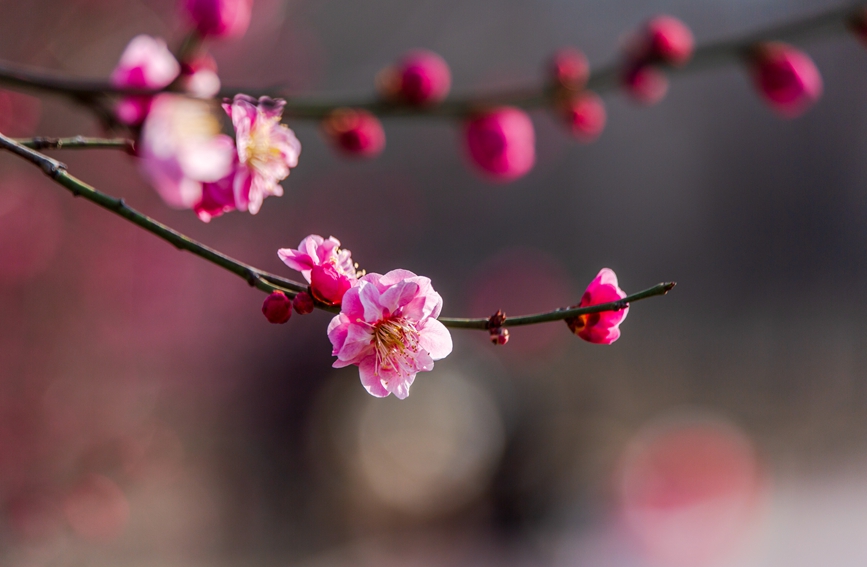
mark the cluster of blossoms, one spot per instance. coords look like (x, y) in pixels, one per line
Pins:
(388, 324)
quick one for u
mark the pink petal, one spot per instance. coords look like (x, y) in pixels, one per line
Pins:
(369, 379)
(435, 338)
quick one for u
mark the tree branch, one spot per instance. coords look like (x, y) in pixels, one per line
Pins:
(77, 143)
(261, 279)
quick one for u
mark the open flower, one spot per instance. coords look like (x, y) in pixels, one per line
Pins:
(146, 63)
(600, 328)
(387, 326)
(326, 267)
(266, 149)
(182, 148)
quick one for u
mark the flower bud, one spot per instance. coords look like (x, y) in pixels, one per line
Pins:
(199, 76)
(785, 77)
(858, 24)
(277, 308)
(645, 84)
(584, 115)
(499, 336)
(219, 18)
(667, 40)
(421, 77)
(501, 142)
(356, 132)
(303, 303)
(146, 63)
(569, 69)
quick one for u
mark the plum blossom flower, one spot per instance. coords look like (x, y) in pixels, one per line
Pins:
(182, 148)
(146, 63)
(266, 149)
(219, 18)
(421, 77)
(786, 78)
(326, 267)
(600, 328)
(501, 142)
(388, 327)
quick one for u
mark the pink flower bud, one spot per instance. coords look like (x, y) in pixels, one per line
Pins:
(499, 336)
(569, 68)
(303, 303)
(421, 77)
(601, 328)
(356, 132)
(645, 84)
(585, 116)
(501, 142)
(146, 63)
(219, 18)
(328, 284)
(667, 40)
(786, 78)
(277, 308)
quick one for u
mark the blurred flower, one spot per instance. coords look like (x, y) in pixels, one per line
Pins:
(218, 197)
(569, 68)
(420, 77)
(663, 39)
(146, 63)
(266, 149)
(277, 308)
(387, 326)
(645, 84)
(600, 328)
(326, 267)
(786, 78)
(181, 148)
(219, 18)
(501, 142)
(97, 509)
(584, 115)
(356, 132)
(199, 76)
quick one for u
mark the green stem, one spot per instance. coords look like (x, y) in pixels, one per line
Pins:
(607, 78)
(261, 279)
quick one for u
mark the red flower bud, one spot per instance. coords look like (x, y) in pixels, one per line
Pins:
(303, 303)
(786, 78)
(501, 142)
(667, 40)
(569, 69)
(421, 77)
(219, 18)
(356, 132)
(584, 115)
(645, 84)
(499, 336)
(277, 308)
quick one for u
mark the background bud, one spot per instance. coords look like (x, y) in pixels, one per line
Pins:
(420, 77)
(501, 142)
(569, 68)
(785, 77)
(219, 18)
(277, 308)
(356, 132)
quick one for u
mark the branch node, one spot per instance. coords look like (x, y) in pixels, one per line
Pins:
(252, 277)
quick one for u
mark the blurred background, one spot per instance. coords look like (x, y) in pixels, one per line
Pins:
(149, 414)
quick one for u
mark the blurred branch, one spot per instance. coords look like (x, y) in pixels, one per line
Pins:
(714, 54)
(258, 278)
(77, 142)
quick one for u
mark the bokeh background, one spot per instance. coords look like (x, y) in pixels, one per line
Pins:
(149, 415)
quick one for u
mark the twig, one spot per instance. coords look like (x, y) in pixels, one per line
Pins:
(77, 143)
(315, 108)
(261, 279)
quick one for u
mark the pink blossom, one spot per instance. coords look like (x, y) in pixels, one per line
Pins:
(355, 132)
(326, 267)
(266, 149)
(502, 143)
(218, 197)
(569, 68)
(219, 18)
(181, 148)
(420, 77)
(645, 84)
(387, 326)
(600, 328)
(146, 63)
(277, 308)
(786, 78)
(585, 116)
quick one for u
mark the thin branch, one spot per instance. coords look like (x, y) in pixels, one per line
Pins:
(261, 279)
(315, 108)
(77, 143)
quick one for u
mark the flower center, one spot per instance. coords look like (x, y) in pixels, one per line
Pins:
(260, 150)
(395, 342)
